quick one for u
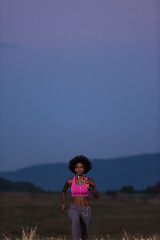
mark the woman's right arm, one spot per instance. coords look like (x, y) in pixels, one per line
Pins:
(66, 186)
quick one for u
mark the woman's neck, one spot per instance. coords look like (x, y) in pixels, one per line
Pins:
(80, 176)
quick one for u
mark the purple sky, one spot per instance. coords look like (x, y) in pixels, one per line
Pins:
(78, 77)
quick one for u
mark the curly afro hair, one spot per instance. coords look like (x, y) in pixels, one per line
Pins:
(80, 159)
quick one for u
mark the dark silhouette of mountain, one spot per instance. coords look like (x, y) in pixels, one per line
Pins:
(111, 174)
(8, 186)
(150, 189)
(153, 189)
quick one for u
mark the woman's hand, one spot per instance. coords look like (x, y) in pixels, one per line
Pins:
(87, 184)
(63, 207)
(92, 187)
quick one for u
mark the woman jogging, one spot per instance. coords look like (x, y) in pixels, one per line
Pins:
(81, 186)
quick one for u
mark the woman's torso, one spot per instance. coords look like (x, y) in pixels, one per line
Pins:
(79, 200)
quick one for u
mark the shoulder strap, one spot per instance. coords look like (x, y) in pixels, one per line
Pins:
(73, 181)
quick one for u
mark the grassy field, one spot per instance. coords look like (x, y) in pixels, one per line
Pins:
(138, 216)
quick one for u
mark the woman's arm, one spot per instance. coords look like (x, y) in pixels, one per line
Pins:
(66, 186)
(92, 187)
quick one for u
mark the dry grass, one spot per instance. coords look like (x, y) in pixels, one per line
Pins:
(110, 216)
(32, 235)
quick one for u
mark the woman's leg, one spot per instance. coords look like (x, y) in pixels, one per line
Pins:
(83, 229)
(74, 216)
(85, 222)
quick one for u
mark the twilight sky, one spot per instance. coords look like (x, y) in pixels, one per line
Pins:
(78, 77)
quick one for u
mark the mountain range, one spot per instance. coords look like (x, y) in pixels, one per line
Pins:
(8, 186)
(138, 171)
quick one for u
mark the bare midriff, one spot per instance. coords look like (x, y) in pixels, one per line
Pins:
(81, 201)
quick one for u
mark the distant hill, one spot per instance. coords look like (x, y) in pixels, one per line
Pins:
(111, 174)
(8, 186)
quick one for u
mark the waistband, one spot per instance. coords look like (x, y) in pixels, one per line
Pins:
(79, 207)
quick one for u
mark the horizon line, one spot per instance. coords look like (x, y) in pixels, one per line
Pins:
(91, 159)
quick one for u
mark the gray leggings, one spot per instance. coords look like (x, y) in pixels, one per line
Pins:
(84, 214)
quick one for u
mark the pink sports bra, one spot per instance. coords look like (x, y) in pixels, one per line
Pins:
(78, 190)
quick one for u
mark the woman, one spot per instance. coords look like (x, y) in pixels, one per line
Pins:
(81, 186)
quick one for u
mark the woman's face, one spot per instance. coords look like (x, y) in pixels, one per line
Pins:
(79, 168)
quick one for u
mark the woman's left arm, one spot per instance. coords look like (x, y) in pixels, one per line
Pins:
(92, 187)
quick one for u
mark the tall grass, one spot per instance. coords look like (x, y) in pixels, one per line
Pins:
(32, 235)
